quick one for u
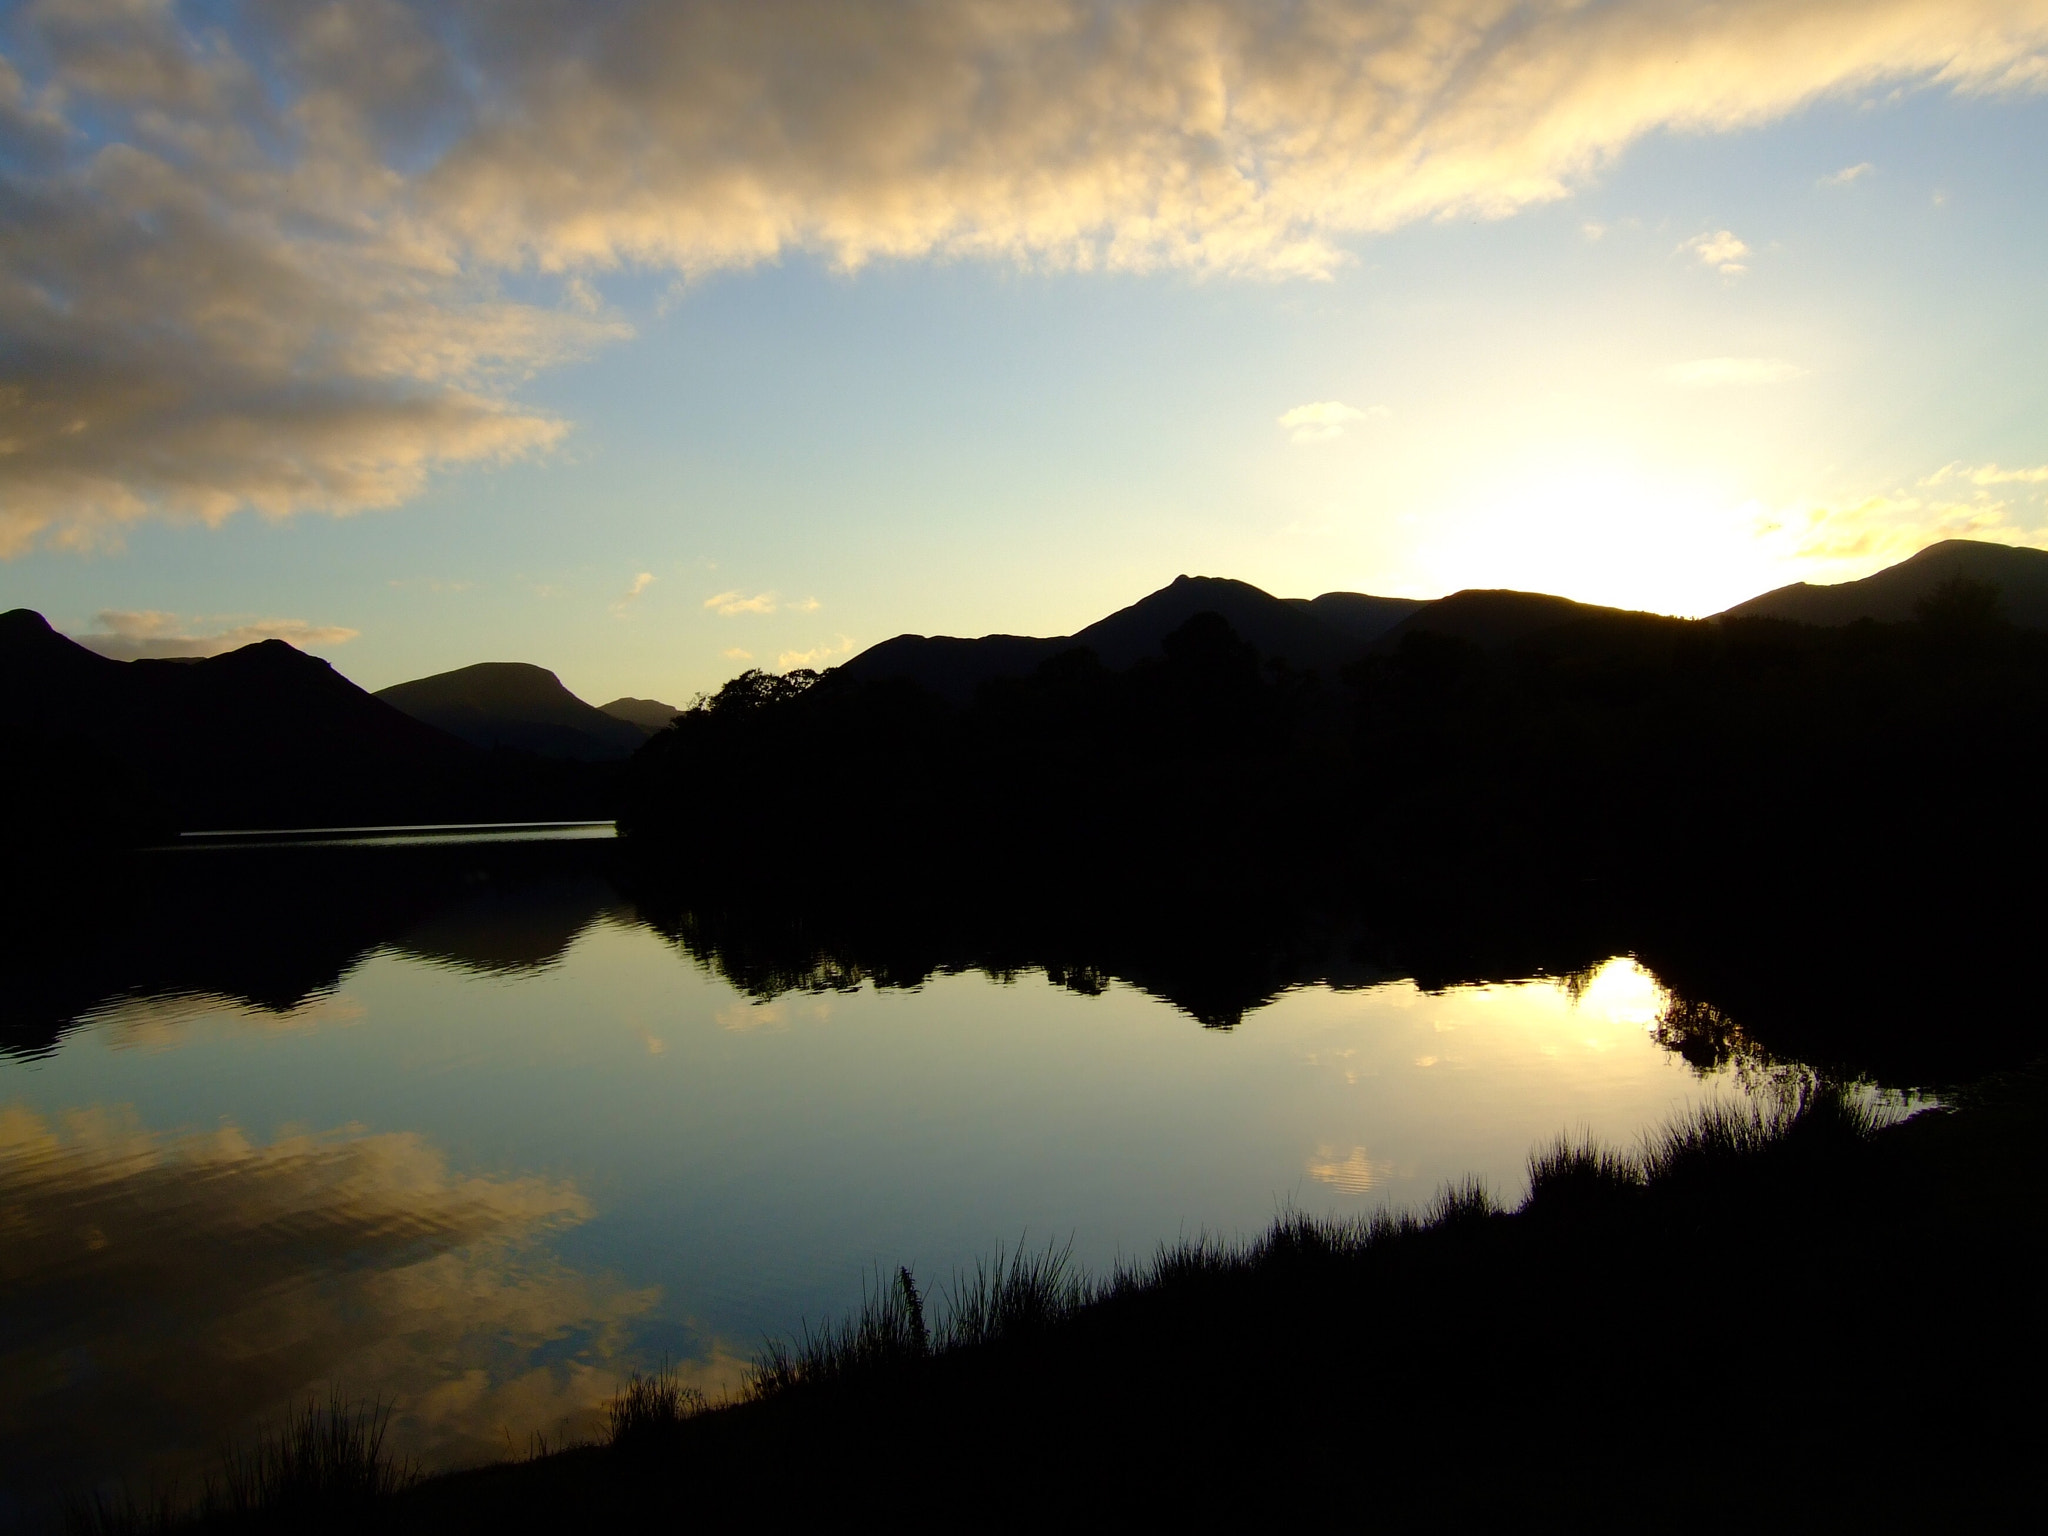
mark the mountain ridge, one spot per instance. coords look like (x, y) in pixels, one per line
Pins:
(1329, 632)
(261, 736)
(1307, 634)
(515, 704)
(1891, 595)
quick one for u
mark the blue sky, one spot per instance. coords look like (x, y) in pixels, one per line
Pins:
(1668, 356)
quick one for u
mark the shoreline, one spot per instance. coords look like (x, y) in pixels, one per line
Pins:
(1846, 1298)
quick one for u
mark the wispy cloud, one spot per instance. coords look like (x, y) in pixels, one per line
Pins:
(1710, 372)
(1987, 474)
(129, 635)
(734, 653)
(634, 588)
(816, 656)
(1323, 420)
(1721, 250)
(729, 605)
(257, 257)
(1954, 502)
(1847, 174)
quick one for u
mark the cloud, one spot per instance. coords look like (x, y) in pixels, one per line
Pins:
(1324, 420)
(729, 605)
(1720, 250)
(1094, 134)
(130, 635)
(280, 257)
(1988, 474)
(1847, 174)
(734, 653)
(1850, 538)
(634, 588)
(1711, 372)
(817, 655)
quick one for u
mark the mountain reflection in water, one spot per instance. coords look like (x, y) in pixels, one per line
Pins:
(275, 929)
(452, 1125)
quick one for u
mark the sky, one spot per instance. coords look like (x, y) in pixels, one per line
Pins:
(654, 341)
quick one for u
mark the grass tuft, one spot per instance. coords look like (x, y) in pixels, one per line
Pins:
(1022, 1298)
(320, 1463)
(650, 1406)
(1571, 1177)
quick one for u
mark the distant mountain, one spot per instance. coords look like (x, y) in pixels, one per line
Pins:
(1320, 633)
(2021, 576)
(1323, 632)
(511, 704)
(264, 736)
(1490, 618)
(650, 715)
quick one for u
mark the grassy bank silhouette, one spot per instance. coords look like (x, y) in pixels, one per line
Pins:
(1773, 1312)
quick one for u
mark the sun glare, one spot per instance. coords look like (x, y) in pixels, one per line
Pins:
(1618, 537)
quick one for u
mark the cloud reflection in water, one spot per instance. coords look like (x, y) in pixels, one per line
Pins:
(173, 1290)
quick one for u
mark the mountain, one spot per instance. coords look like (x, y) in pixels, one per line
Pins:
(2021, 576)
(264, 736)
(1320, 633)
(1295, 630)
(511, 704)
(1491, 618)
(650, 715)
(1327, 633)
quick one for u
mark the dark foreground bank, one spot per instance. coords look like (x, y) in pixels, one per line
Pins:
(1781, 1319)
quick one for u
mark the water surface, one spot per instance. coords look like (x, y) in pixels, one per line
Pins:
(477, 1141)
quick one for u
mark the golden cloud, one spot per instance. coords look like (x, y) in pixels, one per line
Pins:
(817, 655)
(127, 635)
(1722, 250)
(1322, 420)
(260, 262)
(1091, 134)
(729, 605)
(1856, 537)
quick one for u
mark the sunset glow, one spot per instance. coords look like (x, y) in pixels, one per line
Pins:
(651, 341)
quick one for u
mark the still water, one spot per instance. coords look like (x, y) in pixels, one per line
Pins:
(511, 1141)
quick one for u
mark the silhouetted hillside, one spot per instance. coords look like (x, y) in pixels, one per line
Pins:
(265, 736)
(1318, 634)
(1492, 618)
(512, 704)
(1786, 791)
(650, 715)
(1893, 594)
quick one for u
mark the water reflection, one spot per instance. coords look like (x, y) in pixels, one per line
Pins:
(165, 1289)
(270, 931)
(573, 1119)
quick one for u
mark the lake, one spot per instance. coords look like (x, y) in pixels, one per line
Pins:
(463, 1129)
